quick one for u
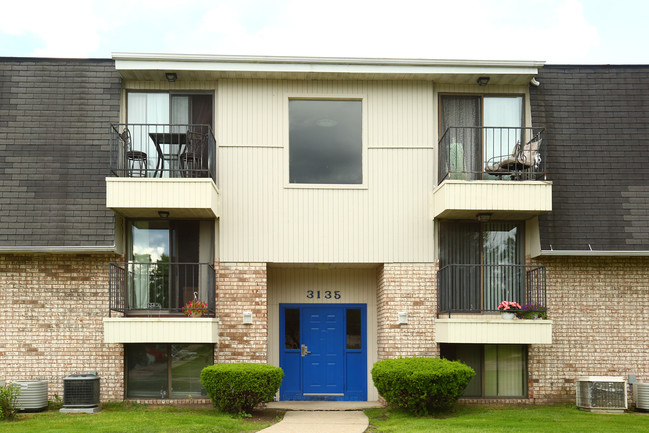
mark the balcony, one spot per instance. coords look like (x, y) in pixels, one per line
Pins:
(151, 297)
(493, 170)
(169, 167)
(468, 298)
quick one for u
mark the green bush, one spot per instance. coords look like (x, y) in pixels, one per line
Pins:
(8, 396)
(421, 385)
(238, 388)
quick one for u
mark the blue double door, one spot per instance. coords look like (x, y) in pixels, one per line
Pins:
(323, 352)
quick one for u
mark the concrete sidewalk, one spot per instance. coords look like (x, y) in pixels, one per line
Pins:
(346, 421)
(321, 416)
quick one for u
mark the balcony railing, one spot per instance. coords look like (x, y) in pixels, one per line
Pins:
(160, 288)
(480, 288)
(496, 153)
(163, 150)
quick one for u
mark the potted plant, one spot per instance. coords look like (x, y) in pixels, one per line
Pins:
(533, 310)
(508, 309)
(196, 307)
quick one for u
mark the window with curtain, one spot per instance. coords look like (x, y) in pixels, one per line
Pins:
(470, 148)
(486, 253)
(501, 369)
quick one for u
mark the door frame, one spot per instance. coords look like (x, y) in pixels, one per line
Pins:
(354, 360)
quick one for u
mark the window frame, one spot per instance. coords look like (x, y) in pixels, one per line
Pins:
(364, 145)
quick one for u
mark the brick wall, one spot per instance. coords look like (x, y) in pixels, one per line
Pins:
(242, 287)
(411, 288)
(600, 312)
(51, 311)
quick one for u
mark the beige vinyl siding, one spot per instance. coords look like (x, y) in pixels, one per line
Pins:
(356, 285)
(160, 330)
(493, 331)
(266, 219)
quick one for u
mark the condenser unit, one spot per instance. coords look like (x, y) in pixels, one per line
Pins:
(601, 394)
(81, 391)
(33, 395)
(641, 396)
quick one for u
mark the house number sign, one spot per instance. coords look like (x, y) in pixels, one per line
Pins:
(323, 294)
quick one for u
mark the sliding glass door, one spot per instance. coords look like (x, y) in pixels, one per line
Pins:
(479, 264)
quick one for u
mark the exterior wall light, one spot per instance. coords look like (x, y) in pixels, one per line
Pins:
(163, 214)
(247, 317)
(402, 317)
(483, 217)
(171, 76)
(483, 81)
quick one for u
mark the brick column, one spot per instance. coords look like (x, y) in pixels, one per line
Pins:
(242, 287)
(411, 288)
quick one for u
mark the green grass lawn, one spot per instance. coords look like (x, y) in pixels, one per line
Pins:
(529, 419)
(116, 418)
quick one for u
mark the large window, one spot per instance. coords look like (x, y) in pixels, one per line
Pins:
(166, 370)
(500, 368)
(325, 142)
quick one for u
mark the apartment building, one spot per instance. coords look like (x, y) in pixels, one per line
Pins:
(327, 213)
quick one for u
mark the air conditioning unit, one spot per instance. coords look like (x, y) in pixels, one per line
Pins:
(601, 394)
(641, 396)
(81, 391)
(33, 395)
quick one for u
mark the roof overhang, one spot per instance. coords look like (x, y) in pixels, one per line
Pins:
(137, 66)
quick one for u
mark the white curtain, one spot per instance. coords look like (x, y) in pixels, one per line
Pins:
(147, 109)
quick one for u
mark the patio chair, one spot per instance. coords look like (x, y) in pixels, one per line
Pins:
(136, 161)
(191, 160)
(526, 158)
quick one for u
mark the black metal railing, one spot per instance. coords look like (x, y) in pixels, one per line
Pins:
(163, 150)
(480, 288)
(160, 288)
(497, 153)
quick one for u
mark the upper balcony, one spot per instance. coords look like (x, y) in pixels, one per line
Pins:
(163, 167)
(494, 170)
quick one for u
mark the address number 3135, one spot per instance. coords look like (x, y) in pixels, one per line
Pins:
(323, 294)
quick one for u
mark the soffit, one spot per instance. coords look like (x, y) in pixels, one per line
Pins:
(152, 67)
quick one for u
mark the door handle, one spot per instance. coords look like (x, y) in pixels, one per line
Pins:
(304, 350)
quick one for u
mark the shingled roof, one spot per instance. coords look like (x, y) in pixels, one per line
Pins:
(54, 121)
(597, 142)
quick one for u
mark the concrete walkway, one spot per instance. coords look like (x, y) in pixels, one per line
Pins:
(321, 417)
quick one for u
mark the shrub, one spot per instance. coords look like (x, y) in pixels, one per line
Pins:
(421, 385)
(8, 396)
(238, 388)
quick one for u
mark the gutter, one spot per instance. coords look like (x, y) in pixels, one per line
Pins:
(57, 249)
(594, 253)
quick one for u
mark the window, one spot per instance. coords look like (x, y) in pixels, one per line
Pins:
(170, 260)
(480, 265)
(166, 370)
(500, 368)
(325, 142)
(484, 129)
(163, 129)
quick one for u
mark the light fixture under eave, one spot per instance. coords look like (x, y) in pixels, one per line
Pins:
(483, 217)
(171, 76)
(163, 214)
(483, 81)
